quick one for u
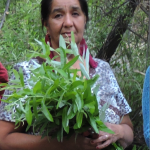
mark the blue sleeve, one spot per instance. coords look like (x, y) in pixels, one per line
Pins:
(146, 107)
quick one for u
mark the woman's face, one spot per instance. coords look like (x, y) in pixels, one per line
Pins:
(65, 16)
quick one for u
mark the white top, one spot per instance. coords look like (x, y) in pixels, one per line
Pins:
(109, 91)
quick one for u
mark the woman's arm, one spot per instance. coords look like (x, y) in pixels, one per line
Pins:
(126, 132)
(123, 134)
(11, 139)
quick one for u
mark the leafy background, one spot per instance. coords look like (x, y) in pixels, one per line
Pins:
(129, 62)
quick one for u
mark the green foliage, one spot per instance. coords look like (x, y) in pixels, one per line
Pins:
(23, 24)
(59, 100)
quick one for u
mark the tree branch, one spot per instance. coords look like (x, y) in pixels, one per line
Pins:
(145, 40)
(115, 36)
(144, 9)
(4, 16)
(108, 13)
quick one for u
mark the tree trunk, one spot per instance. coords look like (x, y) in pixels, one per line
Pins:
(6, 10)
(117, 32)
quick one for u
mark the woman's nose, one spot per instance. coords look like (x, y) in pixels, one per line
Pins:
(68, 22)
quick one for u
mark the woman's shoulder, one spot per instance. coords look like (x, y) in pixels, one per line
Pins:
(102, 66)
(101, 62)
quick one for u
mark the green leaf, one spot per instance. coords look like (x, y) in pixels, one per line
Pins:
(77, 84)
(72, 37)
(83, 56)
(87, 93)
(75, 126)
(42, 70)
(55, 63)
(90, 106)
(62, 57)
(51, 89)
(79, 102)
(75, 108)
(75, 75)
(46, 112)
(62, 72)
(60, 135)
(92, 81)
(28, 113)
(79, 118)
(21, 107)
(39, 42)
(70, 63)
(70, 113)
(21, 76)
(120, 147)
(65, 121)
(16, 74)
(35, 108)
(104, 128)
(87, 60)
(134, 148)
(93, 123)
(37, 86)
(75, 50)
(96, 89)
(60, 99)
(84, 71)
(102, 111)
(62, 42)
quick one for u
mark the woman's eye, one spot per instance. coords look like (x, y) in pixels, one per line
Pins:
(58, 16)
(75, 14)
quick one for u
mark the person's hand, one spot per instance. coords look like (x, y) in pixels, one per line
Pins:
(81, 143)
(90, 133)
(85, 144)
(105, 139)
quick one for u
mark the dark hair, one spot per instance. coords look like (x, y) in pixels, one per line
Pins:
(46, 9)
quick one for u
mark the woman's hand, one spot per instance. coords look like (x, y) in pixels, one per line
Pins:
(105, 139)
(123, 133)
(81, 143)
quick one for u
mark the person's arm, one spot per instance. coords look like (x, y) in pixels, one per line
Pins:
(3, 74)
(3, 77)
(17, 140)
(123, 133)
(126, 131)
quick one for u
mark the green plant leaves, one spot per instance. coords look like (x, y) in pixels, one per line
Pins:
(65, 121)
(60, 101)
(62, 42)
(93, 123)
(79, 119)
(62, 57)
(84, 71)
(46, 112)
(28, 113)
(70, 63)
(21, 77)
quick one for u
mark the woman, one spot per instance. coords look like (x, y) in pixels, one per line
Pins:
(62, 17)
(3, 77)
